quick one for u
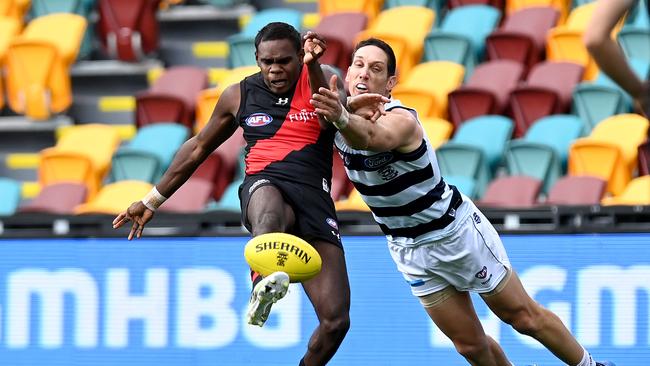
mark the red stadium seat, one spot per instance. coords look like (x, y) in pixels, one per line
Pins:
(339, 30)
(577, 190)
(229, 153)
(548, 90)
(499, 4)
(522, 37)
(513, 191)
(172, 98)
(644, 158)
(190, 197)
(486, 92)
(57, 198)
(128, 29)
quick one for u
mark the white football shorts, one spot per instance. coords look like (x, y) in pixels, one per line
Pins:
(471, 259)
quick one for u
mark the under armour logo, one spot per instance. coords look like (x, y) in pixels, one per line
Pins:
(282, 101)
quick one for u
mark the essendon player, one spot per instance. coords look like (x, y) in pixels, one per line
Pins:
(288, 173)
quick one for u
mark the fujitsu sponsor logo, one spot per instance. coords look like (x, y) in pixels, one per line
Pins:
(303, 116)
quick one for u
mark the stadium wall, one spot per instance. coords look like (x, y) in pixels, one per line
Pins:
(182, 301)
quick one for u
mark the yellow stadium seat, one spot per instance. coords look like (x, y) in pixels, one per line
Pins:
(370, 7)
(637, 192)
(207, 99)
(427, 86)
(562, 6)
(115, 197)
(610, 151)
(354, 202)
(15, 9)
(83, 154)
(38, 84)
(438, 130)
(65, 31)
(403, 28)
(9, 29)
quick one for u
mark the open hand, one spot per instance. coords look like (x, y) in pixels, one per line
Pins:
(139, 214)
(368, 105)
(326, 101)
(314, 47)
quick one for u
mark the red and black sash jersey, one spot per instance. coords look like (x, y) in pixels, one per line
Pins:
(283, 136)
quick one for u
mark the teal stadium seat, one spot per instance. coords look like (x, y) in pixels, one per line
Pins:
(242, 45)
(635, 42)
(543, 152)
(461, 36)
(81, 7)
(476, 150)
(149, 154)
(639, 15)
(9, 196)
(602, 98)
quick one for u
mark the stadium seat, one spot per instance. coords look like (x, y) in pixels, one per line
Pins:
(499, 4)
(637, 192)
(634, 41)
(438, 130)
(9, 196)
(562, 6)
(610, 151)
(115, 197)
(242, 45)
(207, 98)
(172, 98)
(82, 155)
(38, 83)
(644, 158)
(231, 155)
(57, 198)
(404, 29)
(547, 91)
(339, 30)
(81, 7)
(522, 36)
(461, 36)
(486, 91)
(639, 15)
(149, 153)
(9, 29)
(191, 197)
(576, 190)
(543, 152)
(64, 31)
(369, 7)
(602, 98)
(128, 29)
(476, 150)
(513, 191)
(354, 202)
(228, 200)
(426, 87)
(436, 5)
(15, 9)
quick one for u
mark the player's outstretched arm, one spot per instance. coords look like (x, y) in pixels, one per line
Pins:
(192, 153)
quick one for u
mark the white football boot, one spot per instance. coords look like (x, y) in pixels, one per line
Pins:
(266, 293)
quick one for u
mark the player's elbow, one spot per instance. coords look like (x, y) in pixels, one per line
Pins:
(593, 40)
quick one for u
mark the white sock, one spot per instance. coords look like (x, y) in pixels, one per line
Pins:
(587, 360)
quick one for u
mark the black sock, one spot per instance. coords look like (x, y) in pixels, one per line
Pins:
(302, 362)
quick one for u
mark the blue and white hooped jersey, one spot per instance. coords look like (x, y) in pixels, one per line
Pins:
(405, 191)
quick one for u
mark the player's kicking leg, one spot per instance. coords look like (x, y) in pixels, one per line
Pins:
(266, 292)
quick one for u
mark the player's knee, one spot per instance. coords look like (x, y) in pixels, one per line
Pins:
(528, 321)
(336, 326)
(472, 350)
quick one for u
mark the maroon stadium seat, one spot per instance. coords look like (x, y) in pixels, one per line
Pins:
(229, 153)
(499, 4)
(577, 190)
(190, 197)
(57, 198)
(513, 191)
(644, 158)
(128, 29)
(339, 30)
(172, 98)
(548, 90)
(522, 37)
(486, 92)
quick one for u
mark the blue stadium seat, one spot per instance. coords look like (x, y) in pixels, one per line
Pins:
(635, 42)
(9, 196)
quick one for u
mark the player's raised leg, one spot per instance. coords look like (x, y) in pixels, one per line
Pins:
(329, 292)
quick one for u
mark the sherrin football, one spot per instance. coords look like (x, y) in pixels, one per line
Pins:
(272, 252)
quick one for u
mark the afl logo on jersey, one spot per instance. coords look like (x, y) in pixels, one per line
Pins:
(378, 160)
(258, 119)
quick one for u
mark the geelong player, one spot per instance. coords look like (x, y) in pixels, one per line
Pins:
(440, 241)
(288, 173)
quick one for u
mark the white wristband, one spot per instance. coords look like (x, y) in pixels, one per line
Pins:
(153, 199)
(343, 120)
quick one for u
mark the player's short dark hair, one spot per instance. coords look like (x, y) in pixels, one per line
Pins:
(278, 30)
(388, 50)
